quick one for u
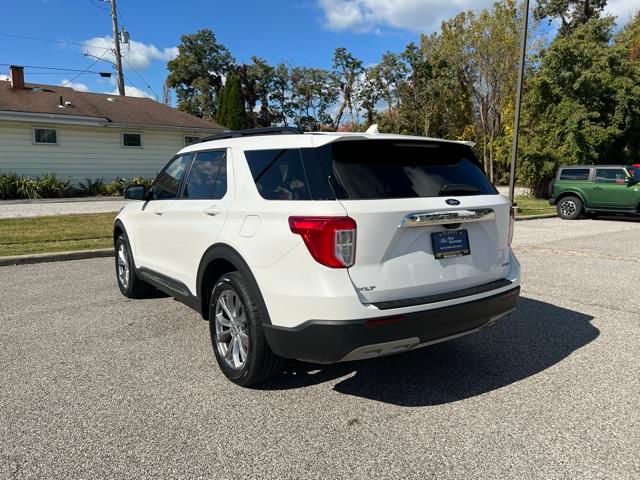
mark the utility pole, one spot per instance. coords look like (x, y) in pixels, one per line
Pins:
(516, 121)
(116, 39)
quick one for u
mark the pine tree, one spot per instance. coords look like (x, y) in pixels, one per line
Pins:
(234, 115)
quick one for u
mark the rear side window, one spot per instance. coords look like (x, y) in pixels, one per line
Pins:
(279, 174)
(379, 169)
(610, 175)
(574, 174)
(207, 178)
(167, 184)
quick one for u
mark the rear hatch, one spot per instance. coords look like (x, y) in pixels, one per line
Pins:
(428, 220)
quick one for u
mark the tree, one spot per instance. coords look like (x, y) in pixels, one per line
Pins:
(583, 106)
(571, 13)
(196, 73)
(370, 94)
(233, 114)
(347, 71)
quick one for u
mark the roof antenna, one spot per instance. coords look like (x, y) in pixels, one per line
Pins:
(373, 129)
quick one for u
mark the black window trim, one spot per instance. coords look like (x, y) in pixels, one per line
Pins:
(33, 129)
(122, 134)
(195, 154)
(188, 169)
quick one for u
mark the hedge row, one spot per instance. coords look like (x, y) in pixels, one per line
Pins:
(13, 186)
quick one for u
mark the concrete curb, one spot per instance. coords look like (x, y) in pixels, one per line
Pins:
(45, 201)
(56, 257)
(535, 217)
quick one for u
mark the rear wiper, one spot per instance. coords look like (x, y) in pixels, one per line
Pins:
(459, 188)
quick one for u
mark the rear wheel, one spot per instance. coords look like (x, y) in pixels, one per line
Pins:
(130, 284)
(237, 337)
(569, 208)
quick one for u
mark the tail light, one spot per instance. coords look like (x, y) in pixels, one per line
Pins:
(331, 241)
(512, 221)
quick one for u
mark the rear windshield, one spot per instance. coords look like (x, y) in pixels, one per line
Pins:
(368, 170)
(379, 169)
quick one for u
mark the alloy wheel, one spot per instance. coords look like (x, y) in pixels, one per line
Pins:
(568, 208)
(123, 266)
(232, 337)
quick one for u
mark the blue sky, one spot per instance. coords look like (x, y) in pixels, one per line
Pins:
(300, 32)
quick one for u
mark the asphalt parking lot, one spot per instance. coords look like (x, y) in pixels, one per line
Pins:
(93, 385)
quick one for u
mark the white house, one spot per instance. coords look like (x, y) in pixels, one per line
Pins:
(50, 129)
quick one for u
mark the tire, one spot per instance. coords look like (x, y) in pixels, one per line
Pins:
(569, 208)
(237, 337)
(129, 283)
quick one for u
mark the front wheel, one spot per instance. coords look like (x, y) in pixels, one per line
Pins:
(569, 208)
(129, 283)
(238, 340)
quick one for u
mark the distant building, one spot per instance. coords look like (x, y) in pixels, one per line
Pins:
(50, 129)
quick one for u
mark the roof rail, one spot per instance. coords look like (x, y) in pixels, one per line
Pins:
(252, 132)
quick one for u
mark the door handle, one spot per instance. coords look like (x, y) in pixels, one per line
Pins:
(212, 211)
(159, 211)
(597, 188)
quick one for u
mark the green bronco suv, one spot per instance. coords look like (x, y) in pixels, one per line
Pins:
(592, 189)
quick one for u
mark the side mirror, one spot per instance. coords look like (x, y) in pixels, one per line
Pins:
(135, 192)
(630, 181)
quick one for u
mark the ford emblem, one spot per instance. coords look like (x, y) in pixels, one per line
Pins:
(452, 201)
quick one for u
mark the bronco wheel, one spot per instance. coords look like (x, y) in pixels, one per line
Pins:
(569, 208)
(130, 285)
(237, 337)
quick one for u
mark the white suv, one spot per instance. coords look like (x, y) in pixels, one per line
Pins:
(321, 247)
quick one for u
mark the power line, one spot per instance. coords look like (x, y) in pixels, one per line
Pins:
(93, 2)
(85, 71)
(73, 70)
(49, 40)
(140, 77)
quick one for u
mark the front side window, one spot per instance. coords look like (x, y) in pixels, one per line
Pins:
(207, 179)
(46, 136)
(383, 169)
(279, 174)
(611, 175)
(167, 185)
(131, 140)
(574, 174)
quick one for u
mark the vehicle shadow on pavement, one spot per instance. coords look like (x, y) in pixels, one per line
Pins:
(537, 336)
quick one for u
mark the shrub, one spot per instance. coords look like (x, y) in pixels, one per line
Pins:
(8, 186)
(27, 187)
(51, 187)
(115, 187)
(147, 182)
(91, 187)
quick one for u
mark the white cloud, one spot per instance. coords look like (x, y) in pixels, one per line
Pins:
(4, 78)
(414, 15)
(137, 55)
(130, 91)
(623, 9)
(420, 15)
(79, 87)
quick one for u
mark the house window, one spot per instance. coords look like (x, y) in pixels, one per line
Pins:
(132, 140)
(188, 140)
(46, 136)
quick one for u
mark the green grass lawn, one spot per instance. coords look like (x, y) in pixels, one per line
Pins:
(20, 236)
(533, 206)
(64, 233)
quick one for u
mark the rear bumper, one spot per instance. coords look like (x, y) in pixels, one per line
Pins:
(327, 341)
(552, 201)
